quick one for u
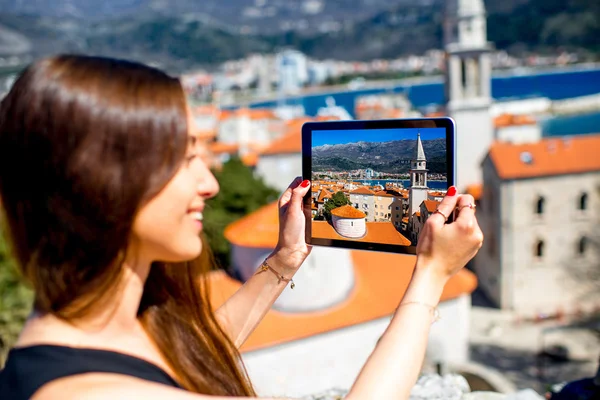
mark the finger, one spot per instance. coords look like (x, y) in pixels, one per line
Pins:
(465, 207)
(298, 194)
(446, 206)
(287, 194)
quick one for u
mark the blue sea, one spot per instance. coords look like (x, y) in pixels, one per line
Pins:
(554, 85)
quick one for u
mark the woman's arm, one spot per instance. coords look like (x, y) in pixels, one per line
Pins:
(392, 369)
(243, 311)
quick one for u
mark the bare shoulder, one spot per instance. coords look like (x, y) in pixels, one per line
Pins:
(96, 386)
(102, 386)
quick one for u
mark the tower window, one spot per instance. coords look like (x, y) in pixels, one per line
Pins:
(539, 208)
(583, 201)
(539, 248)
(582, 245)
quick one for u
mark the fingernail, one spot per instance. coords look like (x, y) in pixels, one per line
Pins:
(451, 191)
(305, 183)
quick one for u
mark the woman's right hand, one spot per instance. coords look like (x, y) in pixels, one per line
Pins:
(446, 248)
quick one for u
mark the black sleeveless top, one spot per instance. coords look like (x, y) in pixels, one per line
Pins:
(27, 369)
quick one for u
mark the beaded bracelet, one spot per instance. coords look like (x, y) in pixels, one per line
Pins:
(266, 267)
(432, 309)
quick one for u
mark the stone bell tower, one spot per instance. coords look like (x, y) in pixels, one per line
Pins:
(468, 85)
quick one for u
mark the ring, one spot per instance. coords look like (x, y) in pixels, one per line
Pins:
(441, 213)
(470, 205)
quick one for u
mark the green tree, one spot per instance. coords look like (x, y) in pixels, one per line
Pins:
(241, 193)
(337, 200)
(15, 301)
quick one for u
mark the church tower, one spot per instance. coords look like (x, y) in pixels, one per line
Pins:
(468, 85)
(418, 181)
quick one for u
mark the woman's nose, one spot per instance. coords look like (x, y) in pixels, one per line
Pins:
(208, 186)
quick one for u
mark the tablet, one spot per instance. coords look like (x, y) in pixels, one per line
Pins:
(375, 183)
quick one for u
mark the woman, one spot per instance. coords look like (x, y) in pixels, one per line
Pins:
(103, 190)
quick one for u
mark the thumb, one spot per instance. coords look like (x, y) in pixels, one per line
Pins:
(299, 192)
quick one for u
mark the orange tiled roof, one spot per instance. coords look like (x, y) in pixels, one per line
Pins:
(348, 211)
(258, 229)
(377, 232)
(505, 120)
(250, 159)
(261, 113)
(206, 109)
(551, 156)
(475, 190)
(323, 195)
(380, 280)
(290, 141)
(435, 114)
(431, 205)
(219, 147)
(384, 193)
(362, 190)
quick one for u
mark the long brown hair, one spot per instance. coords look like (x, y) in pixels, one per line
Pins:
(84, 143)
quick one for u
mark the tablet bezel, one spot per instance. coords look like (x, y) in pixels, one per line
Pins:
(309, 127)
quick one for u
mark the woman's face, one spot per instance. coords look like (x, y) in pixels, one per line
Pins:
(168, 227)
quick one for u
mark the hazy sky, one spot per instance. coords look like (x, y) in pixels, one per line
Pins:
(320, 138)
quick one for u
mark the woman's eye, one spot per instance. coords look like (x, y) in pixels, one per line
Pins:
(190, 158)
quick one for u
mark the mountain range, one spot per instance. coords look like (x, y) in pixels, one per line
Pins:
(392, 157)
(183, 34)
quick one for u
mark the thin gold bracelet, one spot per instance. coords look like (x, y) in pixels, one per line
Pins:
(266, 267)
(432, 309)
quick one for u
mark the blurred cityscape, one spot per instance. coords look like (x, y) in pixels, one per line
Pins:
(525, 313)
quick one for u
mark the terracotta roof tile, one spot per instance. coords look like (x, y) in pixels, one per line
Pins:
(206, 109)
(220, 147)
(362, 190)
(258, 229)
(250, 159)
(551, 156)
(347, 211)
(380, 281)
(505, 120)
(475, 190)
(290, 141)
(377, 232)
(431, 205)
(261, 113)
(323, 195)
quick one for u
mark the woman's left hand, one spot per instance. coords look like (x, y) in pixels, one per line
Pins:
(292, 250)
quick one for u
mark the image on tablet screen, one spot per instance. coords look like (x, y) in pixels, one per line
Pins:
(376, 185)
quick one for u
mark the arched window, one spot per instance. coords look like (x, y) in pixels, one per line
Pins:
(539, 248)
(582, 245)
(583, 201)
(539, 209)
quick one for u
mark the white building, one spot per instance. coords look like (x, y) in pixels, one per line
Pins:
(281, 162)
(468, 86)
(364, 200)
(517, 129)
(248, 127)
(540, 213)
(292, 70)
(349, 222)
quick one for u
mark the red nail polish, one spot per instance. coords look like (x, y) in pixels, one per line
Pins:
(451, 191)
(305, 183)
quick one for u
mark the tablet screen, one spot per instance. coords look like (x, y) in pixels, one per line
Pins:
(374, 188)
